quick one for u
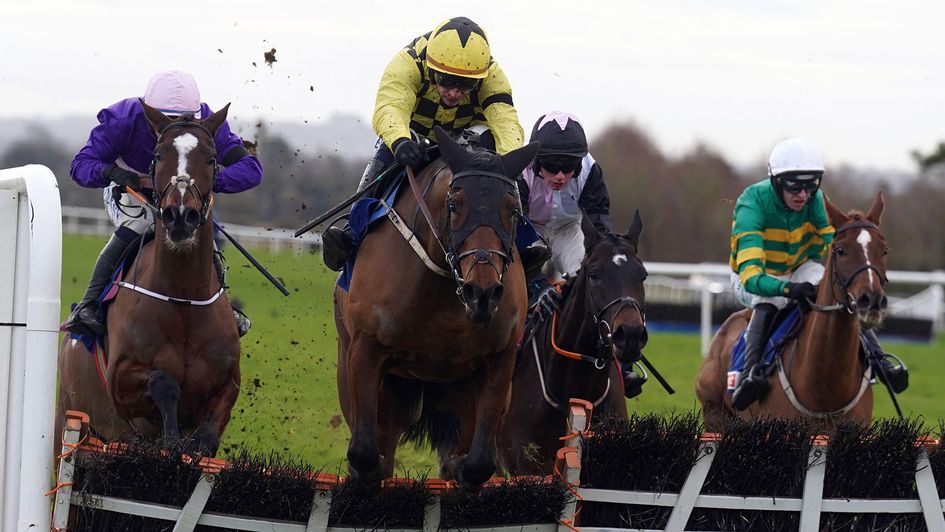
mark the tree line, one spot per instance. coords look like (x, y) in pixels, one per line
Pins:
(686, 201)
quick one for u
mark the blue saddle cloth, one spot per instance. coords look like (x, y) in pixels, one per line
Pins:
(366, 211)
(772, 346)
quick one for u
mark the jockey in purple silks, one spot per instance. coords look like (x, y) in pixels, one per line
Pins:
(119, 153)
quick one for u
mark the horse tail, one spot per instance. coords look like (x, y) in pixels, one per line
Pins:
(439, 429)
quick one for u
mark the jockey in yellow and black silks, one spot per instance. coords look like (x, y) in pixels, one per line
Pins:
(445, 78)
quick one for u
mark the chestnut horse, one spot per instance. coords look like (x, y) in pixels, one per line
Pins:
(576, 353)
(172, 348)
(820, 375)
(427, 335)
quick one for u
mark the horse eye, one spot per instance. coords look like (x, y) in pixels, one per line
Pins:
(212, 161)
(592, 275)
(452, 207)
(157, 156)
(841, 251)
(885, 252)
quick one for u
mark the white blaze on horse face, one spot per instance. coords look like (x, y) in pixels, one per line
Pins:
(864, 239)
(184, 144)
(619, 259)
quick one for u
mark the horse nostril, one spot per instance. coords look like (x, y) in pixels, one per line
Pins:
(168, 216)
(864, 302)
(883, 302)
(644, 338)
(470, 293)
(191, 217)
(495, 295)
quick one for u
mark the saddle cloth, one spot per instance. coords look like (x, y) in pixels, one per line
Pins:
(773, 346)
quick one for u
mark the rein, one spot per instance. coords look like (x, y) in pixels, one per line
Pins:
(843, 284)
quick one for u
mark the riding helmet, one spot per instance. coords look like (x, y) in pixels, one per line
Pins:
(459, 47)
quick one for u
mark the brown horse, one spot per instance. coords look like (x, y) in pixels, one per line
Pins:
(427, 335)
(172, 349)
(820, 374)
(573, 355)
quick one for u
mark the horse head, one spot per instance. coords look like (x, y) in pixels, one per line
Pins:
(483, 210)
(183, 173)
(613, 278)
(857, 264)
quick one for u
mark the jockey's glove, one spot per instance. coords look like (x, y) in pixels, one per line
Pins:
(120, 176)
(548, 301)
(800, 291)
(409, 153)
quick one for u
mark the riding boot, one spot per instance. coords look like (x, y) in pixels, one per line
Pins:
(337, 246)
(632, 381)
(84, 318)
(897, 377)
(752, 384)
(533, 258)
(242, 321)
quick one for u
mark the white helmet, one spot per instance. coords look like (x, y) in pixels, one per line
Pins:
(795, 165)
(795, 154)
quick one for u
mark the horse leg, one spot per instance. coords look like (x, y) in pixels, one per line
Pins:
(366, 368)
(165, 392)
(400, 406)
(216, 416)
(492, 382)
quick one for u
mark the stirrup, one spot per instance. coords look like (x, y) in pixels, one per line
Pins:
(337, 246)
(243, 322)
(752, 387)
(83, 320)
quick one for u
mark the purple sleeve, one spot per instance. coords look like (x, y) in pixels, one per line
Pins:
(105, 144)
(242, 175)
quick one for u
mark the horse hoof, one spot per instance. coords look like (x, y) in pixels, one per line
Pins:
(472, 476)
(363, 465)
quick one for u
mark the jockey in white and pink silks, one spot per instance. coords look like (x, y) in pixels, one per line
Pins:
(563, 185)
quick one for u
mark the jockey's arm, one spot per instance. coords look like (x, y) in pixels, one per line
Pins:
(749, 253)
(595, 200)
(239, 170)
(396, 98)
(106, 142)
(495, 98)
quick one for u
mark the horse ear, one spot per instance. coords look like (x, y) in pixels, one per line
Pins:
(456, 156)
(215, 120)
(516, 160)
(156, 118)
(636, 227)
(835, 215)
(591, 234)
(876, 211)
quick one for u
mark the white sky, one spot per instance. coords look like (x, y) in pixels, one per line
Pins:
(864, 79)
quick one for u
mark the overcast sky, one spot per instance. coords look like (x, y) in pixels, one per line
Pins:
(864, 79)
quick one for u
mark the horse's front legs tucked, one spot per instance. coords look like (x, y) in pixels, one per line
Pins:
(366, 369)
(165, 392)
(492, 382)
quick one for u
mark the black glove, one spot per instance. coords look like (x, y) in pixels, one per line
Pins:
(801, 291)
(547, 302)
(121, 177)
(409, 153)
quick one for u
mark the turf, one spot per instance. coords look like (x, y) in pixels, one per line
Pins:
(288, 401)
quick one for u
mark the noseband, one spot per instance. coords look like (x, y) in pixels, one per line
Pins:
(843, 283)
(185, 182)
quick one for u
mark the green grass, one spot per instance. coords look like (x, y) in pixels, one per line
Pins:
(289, 403)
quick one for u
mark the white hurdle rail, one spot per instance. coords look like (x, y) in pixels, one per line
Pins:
(811, 505)
(30, 269)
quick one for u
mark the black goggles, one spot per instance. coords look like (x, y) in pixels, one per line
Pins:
(561, 163)
(449, 81)
(796, 183)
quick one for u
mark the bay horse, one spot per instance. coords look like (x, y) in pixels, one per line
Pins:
(820, 375)
(576, 353)
(427, 335)
(172, 349)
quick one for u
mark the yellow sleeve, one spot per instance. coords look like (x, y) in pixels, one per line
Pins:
(396, 98)
(495, 98)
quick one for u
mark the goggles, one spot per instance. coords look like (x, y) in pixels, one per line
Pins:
(800, 182)
(449, 81)
(559, 163)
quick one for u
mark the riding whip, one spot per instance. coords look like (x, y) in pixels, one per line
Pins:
(657, 374)
(253, 260)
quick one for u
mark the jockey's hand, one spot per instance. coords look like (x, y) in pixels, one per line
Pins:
(121, 177)
(800, 291)
(548, 301)
(409, 153)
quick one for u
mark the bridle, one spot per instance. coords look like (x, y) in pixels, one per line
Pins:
(605, 342)
(185, 182)
(480, 215)
(843, 283)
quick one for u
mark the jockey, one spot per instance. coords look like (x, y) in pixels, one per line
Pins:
(119, 152)
(446, 77)
(564, 184)
(780, 229)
